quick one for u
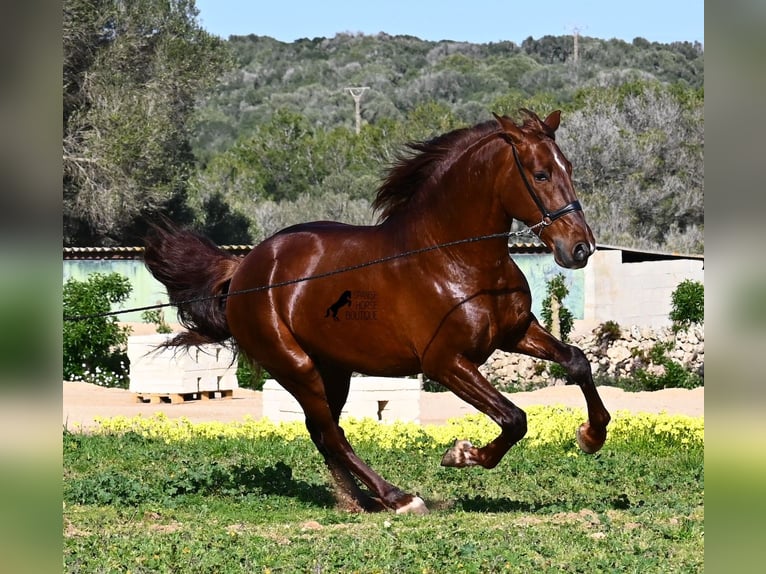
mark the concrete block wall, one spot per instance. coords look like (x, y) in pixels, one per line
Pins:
(634, 293)
(170, 371)
(380, 398)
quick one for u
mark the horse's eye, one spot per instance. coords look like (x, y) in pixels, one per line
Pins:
(541, 176)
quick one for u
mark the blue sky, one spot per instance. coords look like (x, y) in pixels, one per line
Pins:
(477, 21)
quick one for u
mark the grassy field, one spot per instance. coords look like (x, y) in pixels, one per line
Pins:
(168, 496)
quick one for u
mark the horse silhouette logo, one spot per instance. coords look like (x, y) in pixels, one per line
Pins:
(343, 301)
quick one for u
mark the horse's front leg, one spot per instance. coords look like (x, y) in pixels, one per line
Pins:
(463, 378)
(537, 342)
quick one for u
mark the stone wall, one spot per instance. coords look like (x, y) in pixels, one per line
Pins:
(613, 358)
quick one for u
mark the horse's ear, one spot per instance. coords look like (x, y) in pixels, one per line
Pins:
(511, 129)
(553, 120)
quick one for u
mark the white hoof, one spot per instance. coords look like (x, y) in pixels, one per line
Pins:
(415, 506)
(459, 454)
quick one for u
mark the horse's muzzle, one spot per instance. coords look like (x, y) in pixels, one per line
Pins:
(581, 252)
(572, 257)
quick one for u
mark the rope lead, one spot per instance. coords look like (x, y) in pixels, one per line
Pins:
(528, 231)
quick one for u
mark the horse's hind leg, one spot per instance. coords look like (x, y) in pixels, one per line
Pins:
(537, 342)
(337, 383)
(298, 374)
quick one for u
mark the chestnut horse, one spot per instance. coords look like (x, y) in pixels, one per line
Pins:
(440, 311)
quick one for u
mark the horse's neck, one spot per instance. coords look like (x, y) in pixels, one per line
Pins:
(455, 207)
(448, 216)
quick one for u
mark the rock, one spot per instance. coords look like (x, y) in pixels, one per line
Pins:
(620, 358)
(617, 354)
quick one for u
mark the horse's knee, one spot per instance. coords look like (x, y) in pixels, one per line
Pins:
(578, 366)
(514, 424)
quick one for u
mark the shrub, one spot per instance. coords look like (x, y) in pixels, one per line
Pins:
(670, 373)
(558, 372)
(157, 317)
(432, 386)
(250, 375)
(556, 288)
(607, 332)
(95, 349)
(687, 305)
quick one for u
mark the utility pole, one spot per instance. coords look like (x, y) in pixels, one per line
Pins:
(576, 36)
(576, 39)
(574, 65)
(356, 93)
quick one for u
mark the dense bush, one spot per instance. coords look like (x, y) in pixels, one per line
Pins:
(638, 155)
(95, 348)
(687, 305)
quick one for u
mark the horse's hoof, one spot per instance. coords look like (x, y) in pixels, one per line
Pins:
(459, 454)
(590, 440)
(414, 506)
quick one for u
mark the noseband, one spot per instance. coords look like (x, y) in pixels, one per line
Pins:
(548, 216)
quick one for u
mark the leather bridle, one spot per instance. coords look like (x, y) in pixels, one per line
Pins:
(548, 216)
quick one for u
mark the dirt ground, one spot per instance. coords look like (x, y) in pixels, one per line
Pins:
(84, 402)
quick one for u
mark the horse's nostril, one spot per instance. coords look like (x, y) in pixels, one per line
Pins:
(580, 252)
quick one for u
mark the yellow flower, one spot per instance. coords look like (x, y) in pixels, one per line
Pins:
(546, 426)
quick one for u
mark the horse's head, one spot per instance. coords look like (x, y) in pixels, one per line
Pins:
(544, 197)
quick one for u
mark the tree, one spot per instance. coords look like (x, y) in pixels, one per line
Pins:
(510, 103)
(280, 161)
(309, 77)
(223, 225)
(549, 49)
(276, 137)
(132, 74)
(638, 153)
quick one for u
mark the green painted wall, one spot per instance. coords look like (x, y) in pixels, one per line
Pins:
(538, 269)
(146, 289)
(541, 268)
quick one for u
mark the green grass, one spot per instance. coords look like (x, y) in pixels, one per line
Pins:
(141, 504)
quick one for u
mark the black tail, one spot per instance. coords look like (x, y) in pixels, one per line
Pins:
(196, 274)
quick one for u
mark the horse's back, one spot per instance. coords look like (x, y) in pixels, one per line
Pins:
(328, 298)
(306, 249)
